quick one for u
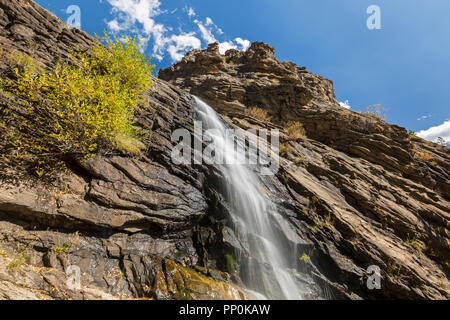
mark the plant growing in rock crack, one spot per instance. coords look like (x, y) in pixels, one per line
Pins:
(65, 247)
(376, 111)
(305, 258)
(414, 243)
(17, 262)
(395, 270)
(295, 131)
(80, 108)
(423, 155)
(285, 149)
(299, 160)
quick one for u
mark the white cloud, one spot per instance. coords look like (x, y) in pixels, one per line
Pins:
(345, 105)
(180, 43)
(191, 12)
(138, 17)
(206, 33)
(245, 44)
(424, 117)
(225, 46)
(114, 26)
(433, 133)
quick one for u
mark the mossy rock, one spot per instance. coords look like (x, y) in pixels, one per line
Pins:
(176, 282)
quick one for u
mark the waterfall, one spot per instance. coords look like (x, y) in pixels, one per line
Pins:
(267, 269)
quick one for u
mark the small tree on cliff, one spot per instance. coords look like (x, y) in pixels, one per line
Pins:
(81, 107)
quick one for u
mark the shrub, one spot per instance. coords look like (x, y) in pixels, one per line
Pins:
(441, 141)
(257, 113)
(376, 111)
(305, 258)
(295, 131)
(414, 243)
(81, 107)
(289, 65)
(23, 62)
(423, 155)
(299, 160)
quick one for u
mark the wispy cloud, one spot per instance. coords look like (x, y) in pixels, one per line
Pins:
(345, 104)
(424, 117)
(433, 133)
(207, 31)
(139, 17)
(191, 12)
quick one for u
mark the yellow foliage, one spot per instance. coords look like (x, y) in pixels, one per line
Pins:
(376, 111)
(423, 155)
(285, 149)
(129, 143)
(81, 107)
(257, 113)
(295, 131)
(27, 64)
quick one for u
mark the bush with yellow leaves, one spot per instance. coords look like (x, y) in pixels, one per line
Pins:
(80, 107)
(295, 131)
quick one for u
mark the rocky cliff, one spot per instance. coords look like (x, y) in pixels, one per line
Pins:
(357, 190)
(361, 191)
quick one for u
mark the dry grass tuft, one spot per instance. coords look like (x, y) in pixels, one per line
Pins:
(295, 131)
(257, 113)
(423, 155)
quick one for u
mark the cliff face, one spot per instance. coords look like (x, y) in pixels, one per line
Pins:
(356, 190)
(127, 223)
(363, 191)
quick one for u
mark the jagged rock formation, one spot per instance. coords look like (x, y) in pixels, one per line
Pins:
(128, 224)
(355, 190)
(363, 191)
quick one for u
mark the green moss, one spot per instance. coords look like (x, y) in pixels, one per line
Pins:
(230, 262)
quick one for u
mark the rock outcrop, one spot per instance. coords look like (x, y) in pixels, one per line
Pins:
(129, 224)
(358, 191)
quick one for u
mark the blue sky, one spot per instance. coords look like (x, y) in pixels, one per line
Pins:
(404, 66)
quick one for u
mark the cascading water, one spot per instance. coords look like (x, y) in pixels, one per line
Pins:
(267, 269)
